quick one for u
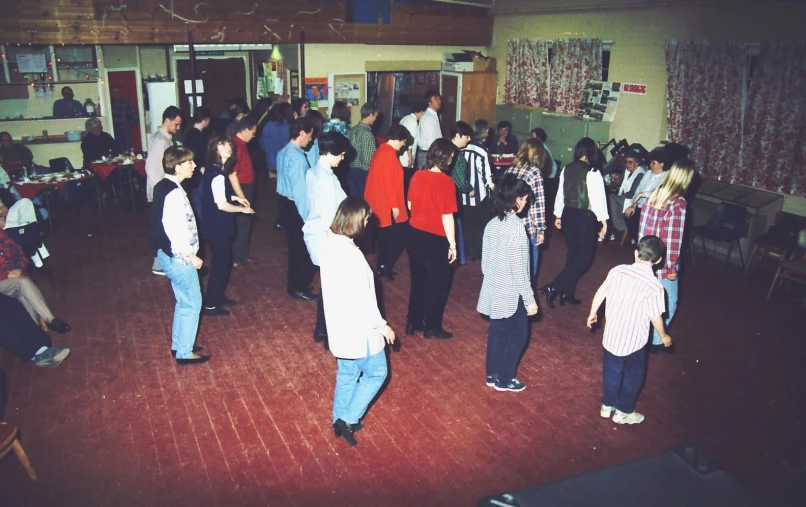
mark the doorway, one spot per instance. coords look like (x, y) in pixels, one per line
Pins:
(396, 93)
(127, 81)
(449, 90)
(222, 78)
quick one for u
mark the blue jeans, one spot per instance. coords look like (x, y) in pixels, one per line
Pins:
(506, 339)
(185, 283)
(535, 255)
(623, 378)
(671, 306)
(352, 397)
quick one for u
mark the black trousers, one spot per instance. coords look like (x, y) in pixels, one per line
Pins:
(300, 268)
(474, 220)
(391, 242)
(579, 230)
(430, 279)
(243, 222)
(634, 223)
(321, 325)
(19, 335)
(220, 269)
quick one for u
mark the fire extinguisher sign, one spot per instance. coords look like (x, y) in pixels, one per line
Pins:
(634, 88)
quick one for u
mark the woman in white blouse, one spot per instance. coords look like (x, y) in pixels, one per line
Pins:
(649, 182)
(579, 205)
(356, 330)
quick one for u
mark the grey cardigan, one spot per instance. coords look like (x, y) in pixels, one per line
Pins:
(505, 265)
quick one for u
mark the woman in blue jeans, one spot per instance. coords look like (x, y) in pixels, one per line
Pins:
(356, 331)
(176, 240)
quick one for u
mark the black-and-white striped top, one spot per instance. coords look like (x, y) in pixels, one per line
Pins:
(479, 173)
(505, 265)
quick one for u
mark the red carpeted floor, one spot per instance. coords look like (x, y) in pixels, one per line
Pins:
(120, 424)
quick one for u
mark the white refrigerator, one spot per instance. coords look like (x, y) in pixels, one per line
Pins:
(160, 95)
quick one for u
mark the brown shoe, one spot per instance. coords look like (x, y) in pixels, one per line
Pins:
(236, 265)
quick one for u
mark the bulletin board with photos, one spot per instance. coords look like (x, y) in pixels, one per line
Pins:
(599, 100)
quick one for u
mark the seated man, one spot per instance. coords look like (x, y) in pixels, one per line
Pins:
(505, 143)
(14, 153)
(24, 339)
(66, 107)
(97, 143)
(14, 283)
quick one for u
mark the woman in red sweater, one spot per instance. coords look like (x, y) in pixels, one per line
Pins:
(384, 193)
(432, 243)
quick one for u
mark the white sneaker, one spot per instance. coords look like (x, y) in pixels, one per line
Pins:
(606, 411)
(631, 418)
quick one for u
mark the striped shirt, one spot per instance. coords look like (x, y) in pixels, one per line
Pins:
(479, 173)
(634, 295)
(505, 265)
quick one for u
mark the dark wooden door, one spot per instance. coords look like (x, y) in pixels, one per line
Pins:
(126, 82)
(223, 79)
(447, 113)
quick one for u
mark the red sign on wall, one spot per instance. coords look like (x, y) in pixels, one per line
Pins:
(635, 89)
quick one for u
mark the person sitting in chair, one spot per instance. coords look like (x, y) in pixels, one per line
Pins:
(14, 283)
(97, 143)
(24, 339)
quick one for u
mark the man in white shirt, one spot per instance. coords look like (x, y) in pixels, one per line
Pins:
(429, 130)
(160, 141)
(412, 124)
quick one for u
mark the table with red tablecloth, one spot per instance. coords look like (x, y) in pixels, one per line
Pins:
(105, 169)
(503, 161)
(46, 185)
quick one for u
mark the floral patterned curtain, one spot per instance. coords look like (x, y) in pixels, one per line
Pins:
(527, 79)
(704, 87)
(573, 63)
(774, 147)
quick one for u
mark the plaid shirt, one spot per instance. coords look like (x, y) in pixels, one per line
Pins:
(123, 114)
(667, 224)
(459, 173)
(11, 256)
(535, 220)
(364, 143)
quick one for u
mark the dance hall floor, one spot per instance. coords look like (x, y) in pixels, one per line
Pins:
(119, 424)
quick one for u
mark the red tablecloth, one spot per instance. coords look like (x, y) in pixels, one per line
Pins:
(503, 161)
(104, 169)
(31, 190)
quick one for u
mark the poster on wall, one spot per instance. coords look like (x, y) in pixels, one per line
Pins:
(349, 93)
(316, 91)
(599, 100)
(31, 63)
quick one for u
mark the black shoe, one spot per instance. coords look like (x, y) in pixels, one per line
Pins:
(196, 348)
(228, 302)
(216, 311)
(438, 333)
(570, 299)
(194, 360)
(305, 295)
(59, 326)
(551, 295)
(342, 429)
(411, 329)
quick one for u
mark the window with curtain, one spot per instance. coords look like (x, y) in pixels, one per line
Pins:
(527, 79)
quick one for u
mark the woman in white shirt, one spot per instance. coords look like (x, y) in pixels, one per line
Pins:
(579, 205)
(650, 181)
(356, 330)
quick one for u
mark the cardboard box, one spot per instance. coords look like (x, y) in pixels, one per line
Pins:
(482, 64)
(457, 66)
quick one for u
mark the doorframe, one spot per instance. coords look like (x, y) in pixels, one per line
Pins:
(331, 79)
(186, 56)
(140, 102)
(458, 77)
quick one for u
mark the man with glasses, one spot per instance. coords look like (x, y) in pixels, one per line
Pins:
(160, 141)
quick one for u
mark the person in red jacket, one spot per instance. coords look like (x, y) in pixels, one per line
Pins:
(384, 193)
(14, 283)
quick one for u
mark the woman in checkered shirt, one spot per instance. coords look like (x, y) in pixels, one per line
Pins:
(664, 216)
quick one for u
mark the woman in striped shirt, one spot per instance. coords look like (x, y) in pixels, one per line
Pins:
(664, 216)
(506, 292)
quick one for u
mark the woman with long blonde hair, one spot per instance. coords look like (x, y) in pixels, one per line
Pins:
(664, 216)
(532, 158)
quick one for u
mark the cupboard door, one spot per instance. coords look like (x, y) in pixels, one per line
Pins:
(564, 129)
(478, 96)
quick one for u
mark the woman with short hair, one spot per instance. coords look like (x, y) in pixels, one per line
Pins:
(384, 193)
(356, 330)
(664, 216)
(175, 238)
(579, 204)
(432, 243)
(506, 293)
(339, 119)
(218, 221)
